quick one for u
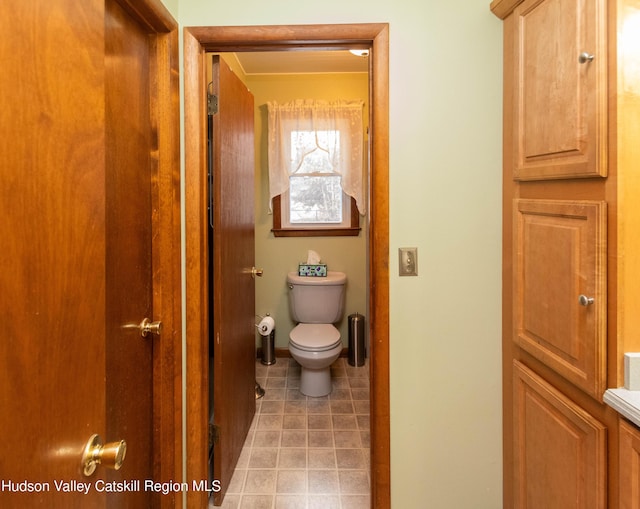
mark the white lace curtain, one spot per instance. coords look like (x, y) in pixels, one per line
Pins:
(338, 130)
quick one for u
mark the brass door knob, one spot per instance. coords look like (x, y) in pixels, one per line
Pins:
(110, 455)
(256, 272)
(149, 327)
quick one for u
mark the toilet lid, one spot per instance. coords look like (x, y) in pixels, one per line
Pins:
(314, 336)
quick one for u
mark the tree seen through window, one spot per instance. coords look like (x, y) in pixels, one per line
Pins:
(315, 195)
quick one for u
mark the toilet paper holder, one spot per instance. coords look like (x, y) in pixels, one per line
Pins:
(265, 325)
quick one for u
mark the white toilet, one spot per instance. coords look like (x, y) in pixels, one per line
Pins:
(316, 303)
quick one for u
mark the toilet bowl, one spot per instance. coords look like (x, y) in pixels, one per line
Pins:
(315, 347)
(316, 303)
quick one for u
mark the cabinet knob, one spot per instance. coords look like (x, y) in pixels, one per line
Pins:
(585, 57)
(585, 301)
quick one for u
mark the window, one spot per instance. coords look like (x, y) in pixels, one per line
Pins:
(315, 168)
(314, 196)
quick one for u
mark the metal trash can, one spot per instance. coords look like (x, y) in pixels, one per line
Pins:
(268, 348)
(356, 339)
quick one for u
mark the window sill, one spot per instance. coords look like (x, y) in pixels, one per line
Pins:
(344, 231)
(316, 232)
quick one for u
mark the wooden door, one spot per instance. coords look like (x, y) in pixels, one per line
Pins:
(559, 99)
(75, 278)
(128, 355)
(233, 326)
(52, 297)
(560, 459)
(559, 261)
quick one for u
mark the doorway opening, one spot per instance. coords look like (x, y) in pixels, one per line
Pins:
(199, 41)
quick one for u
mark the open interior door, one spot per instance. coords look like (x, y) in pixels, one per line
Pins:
(232, 255)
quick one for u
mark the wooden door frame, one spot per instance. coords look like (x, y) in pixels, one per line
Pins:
(166, 239)
(198, 41)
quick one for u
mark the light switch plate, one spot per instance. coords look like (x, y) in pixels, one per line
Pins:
(408, 261)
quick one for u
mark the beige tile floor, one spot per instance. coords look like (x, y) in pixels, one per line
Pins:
(303, 452)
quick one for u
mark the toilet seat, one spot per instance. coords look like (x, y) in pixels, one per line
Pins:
(314, 337)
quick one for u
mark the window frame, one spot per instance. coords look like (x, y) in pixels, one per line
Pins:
(315, 231)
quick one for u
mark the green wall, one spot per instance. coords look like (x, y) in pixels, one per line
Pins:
(445, 109)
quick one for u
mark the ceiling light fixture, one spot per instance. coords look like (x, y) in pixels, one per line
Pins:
(360, 52)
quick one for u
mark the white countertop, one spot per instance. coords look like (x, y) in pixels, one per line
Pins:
(625, 402)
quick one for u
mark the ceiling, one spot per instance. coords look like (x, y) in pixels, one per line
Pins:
(301, 62)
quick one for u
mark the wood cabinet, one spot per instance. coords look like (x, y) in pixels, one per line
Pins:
(560, 287)
(560, 449)
(629, 466)
(560, 89)
(571, 233)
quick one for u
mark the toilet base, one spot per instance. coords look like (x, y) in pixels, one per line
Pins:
(315, 369)
(315, 382)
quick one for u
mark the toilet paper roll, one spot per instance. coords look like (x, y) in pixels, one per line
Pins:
(266, 325)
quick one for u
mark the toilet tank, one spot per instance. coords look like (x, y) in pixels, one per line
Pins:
(316, 299)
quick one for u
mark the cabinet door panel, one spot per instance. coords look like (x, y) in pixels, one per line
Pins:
(560, 459)
(560, 103)
(629, 466)
(560, 258)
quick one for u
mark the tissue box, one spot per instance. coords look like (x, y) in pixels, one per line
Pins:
(319, 270)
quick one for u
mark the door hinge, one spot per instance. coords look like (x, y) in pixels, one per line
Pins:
(212, 103)
(214, 434)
